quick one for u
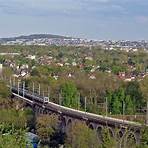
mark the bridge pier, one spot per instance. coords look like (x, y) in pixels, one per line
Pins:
(99, 130)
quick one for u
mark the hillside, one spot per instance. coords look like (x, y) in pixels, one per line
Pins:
(34, 36)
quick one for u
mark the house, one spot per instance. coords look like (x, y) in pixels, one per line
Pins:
(60, 64)
(55, 77)
(89, 58)
(128, 80)
(69, 75)
(92, 77)
(121, 74)
(67, 64)
(74, 64)
(32, 57)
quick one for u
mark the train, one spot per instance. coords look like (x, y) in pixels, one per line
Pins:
(31, 96)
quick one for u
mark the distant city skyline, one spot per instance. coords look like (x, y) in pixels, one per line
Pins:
(92, 19)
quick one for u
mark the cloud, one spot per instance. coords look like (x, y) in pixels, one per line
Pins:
(38, 7)
(58, 6)
(142, 19)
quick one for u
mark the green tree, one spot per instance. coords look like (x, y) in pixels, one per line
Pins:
(40, 71)
(7, 72)
(46, 126)
(70, 95)
(144, 138)
(144, 87)
(12, 117)
(81, 136)
(4, 90)
(134, 91)
(129, 105)
(16, 140)
(117, 69)
(116, 105)
(117, 101)
(108, 141)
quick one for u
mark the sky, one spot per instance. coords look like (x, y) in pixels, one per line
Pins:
(92, 19)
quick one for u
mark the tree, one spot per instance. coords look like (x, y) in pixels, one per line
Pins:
(40, 71)
(30, 117)
(144, 87)
(144, 138)
(81, 136)
(70, 95)
(116, 105)
(16, 140)
(108, 141)
(4, 90)
(12, 118)
(7, 72)
(12, 128)
(46, 126)
(133, 90)
(117, 69)
(117, 101)
(129, 105)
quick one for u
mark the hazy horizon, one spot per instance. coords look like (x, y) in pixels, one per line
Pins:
(19, 35)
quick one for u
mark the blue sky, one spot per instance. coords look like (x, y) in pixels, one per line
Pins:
(94, 19)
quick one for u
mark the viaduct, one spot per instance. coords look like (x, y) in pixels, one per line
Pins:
(119, 129)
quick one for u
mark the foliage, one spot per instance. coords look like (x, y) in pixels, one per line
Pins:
(12, 118)
(81, 136)
(4, 90)
(144, 138)
(40, 71)
(133, 89)
(108, 141)
(128, 99)
(7, 72)
(117, 69)
(12, 129)
(30, 118)
(46, 126)
(70, 95)
(16, 140)
(144, 87)
(129, 105)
